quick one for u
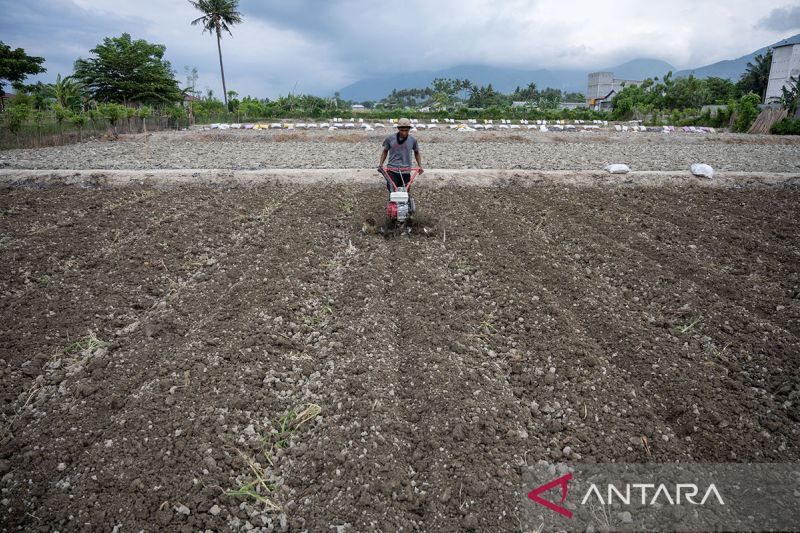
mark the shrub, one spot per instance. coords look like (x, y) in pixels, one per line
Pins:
(113, 112)
(746, 112)
(786, 126)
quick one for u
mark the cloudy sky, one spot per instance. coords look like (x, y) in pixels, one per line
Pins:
(319, 46)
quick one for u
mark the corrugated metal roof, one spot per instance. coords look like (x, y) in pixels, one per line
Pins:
(788, 42)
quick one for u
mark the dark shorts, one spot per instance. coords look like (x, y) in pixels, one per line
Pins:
(400, 179)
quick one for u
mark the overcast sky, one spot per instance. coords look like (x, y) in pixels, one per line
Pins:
(319, 46)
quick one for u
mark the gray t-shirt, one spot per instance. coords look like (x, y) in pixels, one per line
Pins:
(400, 153)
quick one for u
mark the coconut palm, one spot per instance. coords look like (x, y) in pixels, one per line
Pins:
(218, 15)
(756, 76)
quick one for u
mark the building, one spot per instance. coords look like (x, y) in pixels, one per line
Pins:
(571, 105)
(189, 100)
(602, 87)
(785, 65)
(5, 98)
(358, 107)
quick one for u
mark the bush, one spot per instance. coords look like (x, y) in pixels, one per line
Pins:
(113, 112)
(17, 115)
(176, 114)
(786, 126)
(746, 112)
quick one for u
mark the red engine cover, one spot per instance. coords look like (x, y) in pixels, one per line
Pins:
(391, 210)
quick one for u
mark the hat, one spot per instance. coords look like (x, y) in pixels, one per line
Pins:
(403, 123)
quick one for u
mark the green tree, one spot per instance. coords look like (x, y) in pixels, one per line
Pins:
(17, 114)
(685, 93)
(130, 112)
(16, 65)
(113, 112)
(176, 113)
(218, 15)
(746, 112)
(756, 75)
(790, 95)
(125, 71)
(719, 90)
(528, 94)
(144, 113)
(62, 113)
(67, 93)
(79, 121)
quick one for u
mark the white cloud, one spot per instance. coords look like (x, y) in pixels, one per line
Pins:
(322, 46)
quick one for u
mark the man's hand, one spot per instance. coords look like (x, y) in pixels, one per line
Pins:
(421, 170)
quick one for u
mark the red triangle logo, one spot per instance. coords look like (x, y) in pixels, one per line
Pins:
(562, 481)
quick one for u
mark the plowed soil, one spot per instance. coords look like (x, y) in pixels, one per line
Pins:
(162, 349)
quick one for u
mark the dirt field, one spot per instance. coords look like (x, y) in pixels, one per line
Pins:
(512, 149)
(163, 348)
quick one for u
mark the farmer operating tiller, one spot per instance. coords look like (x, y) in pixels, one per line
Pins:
(399, 174)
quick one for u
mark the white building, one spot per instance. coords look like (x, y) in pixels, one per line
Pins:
(785, 65)
(601, 87)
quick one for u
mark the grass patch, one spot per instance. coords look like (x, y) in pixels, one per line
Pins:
(689, 327)
(89, 343)
(288, 424)
(258, 488)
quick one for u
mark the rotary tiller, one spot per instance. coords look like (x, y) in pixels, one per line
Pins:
(401, 206)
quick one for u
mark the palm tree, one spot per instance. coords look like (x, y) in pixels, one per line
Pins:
(218, 15)
(756, 75)
(67, 92)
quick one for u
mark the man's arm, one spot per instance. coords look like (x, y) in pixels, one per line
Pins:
(418, 157)
(383, 157)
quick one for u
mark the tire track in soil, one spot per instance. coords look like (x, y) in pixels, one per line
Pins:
(357, 471)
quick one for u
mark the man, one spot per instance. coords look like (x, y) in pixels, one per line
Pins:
(398, 148)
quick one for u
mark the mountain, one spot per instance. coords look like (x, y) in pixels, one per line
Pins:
(502, 79)
(639, 69)
(507, 79)
(731, 68)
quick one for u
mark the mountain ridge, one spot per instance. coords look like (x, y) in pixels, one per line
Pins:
(506, 79)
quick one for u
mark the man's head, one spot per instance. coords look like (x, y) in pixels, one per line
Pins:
(403, 127)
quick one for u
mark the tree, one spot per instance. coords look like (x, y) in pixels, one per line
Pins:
(18, 113)
(191, 81)
(756, 75)
(62, 113)
(16, 65)
(79, 121)
(218, 15)
(144, 113)
(176, 113)
(125, 70)
(720, 90)
(113, 112)
(746, 112)
(67, 93)
(790, 95)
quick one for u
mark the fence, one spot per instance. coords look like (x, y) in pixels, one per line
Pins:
(47, 131)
